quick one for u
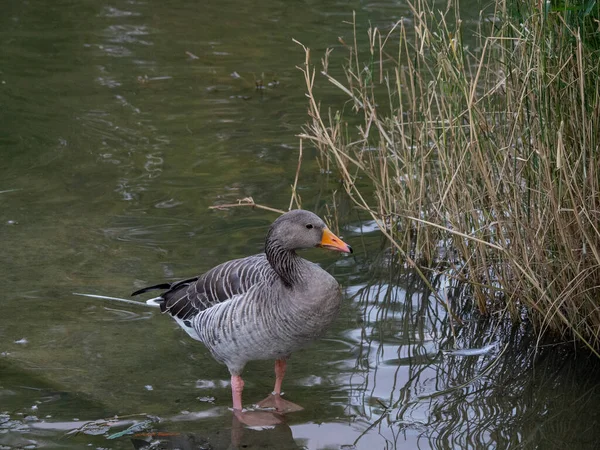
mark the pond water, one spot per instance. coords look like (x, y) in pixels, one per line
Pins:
(122, 123)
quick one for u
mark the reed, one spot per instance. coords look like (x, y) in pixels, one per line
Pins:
(481, 159)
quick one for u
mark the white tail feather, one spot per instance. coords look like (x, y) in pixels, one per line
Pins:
(148, 303)
(186, 325)
(154, 302)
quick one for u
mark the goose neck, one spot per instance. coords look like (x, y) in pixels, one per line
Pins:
(285, 262)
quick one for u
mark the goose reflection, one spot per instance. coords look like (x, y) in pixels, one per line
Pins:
(268, 431)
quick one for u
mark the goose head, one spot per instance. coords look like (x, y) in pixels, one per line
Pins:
(299, 229)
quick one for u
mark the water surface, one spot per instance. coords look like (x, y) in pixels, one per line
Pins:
(122, 123)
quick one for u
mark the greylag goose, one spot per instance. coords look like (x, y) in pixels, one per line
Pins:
(264, 306)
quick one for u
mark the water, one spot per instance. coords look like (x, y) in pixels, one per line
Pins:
(122, 123)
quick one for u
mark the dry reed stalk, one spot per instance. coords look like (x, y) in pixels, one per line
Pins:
(491, 153)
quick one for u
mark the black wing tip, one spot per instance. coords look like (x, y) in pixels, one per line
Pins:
(151, 288)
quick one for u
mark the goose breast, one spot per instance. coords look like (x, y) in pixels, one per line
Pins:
(271, 320)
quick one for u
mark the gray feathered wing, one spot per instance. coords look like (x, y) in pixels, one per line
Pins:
(184, 299)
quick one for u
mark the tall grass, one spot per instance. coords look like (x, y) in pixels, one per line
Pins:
(483, 157)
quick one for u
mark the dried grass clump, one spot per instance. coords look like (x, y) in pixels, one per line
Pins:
(489, 152)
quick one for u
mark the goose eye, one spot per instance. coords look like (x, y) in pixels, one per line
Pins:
(309, 226)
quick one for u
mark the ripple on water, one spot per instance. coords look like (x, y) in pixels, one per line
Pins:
(170, 203)
(148, 230)
(211, 384)
(110, 11)
(123, 315)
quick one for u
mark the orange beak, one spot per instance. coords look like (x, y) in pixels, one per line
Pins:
(332, 242)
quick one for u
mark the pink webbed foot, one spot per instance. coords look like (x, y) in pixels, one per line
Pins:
(274, 401)
(277, 403)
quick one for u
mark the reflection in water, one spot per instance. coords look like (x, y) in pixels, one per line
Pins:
(273, 433)
(229, 431)
(498, 391)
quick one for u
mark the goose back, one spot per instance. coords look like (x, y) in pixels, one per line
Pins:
(270, 320)
(184, 299)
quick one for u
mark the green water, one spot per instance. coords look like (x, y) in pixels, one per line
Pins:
(121, 124)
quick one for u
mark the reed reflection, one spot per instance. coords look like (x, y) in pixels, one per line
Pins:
(462, 381)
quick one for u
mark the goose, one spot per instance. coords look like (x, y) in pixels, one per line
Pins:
(260, 307)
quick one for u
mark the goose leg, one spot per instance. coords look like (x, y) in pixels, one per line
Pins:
(237, 386)
(274, 401)
(249, 418)
(280, 366)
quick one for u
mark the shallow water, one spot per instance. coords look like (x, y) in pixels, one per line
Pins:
(122, 123)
